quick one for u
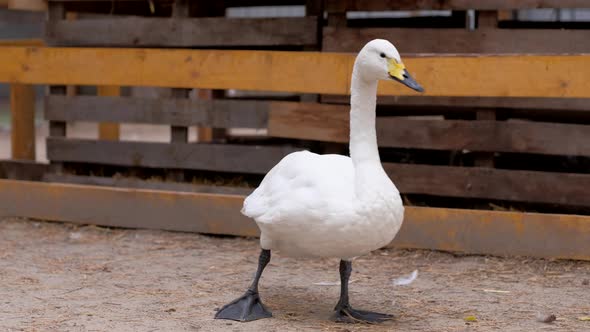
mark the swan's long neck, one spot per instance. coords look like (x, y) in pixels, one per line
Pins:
(363, 136)
(369, 177)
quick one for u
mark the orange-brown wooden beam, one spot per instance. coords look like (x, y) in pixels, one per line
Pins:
(107, 130)
(33, 5)
(303, 72)
(22, 110)
(468, 231)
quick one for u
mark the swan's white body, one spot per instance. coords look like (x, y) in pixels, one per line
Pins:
(332, 205)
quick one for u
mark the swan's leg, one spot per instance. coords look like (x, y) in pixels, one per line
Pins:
(344, 312)
(248, 307)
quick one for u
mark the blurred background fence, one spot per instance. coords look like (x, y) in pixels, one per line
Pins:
(519, 145)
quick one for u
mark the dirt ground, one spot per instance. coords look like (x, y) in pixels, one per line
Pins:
(62, 277)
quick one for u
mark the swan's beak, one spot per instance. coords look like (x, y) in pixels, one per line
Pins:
(397, 71)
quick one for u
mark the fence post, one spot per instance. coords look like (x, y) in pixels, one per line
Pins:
(107, 130)
(22, 109)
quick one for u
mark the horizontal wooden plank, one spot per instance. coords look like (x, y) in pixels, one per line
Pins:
(488, 136)
(496, 233)
(320, 122)
(215, 113)
(35, 5)
(304, 72)
(183, 32)
(11, 16)
(329, 123)
(381, 5)
(201, 156)
(23, 170)
(228, 3)
(155, 1)
(490, 183)
(21, 42)
(126, 7)
(461, 41)
(444, 181)
(134, 183)
(203, 213)
(531, 104)
(469, 231)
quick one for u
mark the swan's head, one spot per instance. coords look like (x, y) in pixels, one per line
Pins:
(380, 60)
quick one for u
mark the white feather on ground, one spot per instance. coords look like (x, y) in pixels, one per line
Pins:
(406, 280)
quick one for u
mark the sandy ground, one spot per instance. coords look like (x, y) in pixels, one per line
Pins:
(62, 277)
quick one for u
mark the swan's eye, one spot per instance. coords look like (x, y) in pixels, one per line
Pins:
(382, 55)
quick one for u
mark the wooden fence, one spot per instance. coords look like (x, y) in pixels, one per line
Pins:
(496, 94)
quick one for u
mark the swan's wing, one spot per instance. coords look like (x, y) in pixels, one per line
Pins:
(301, 184)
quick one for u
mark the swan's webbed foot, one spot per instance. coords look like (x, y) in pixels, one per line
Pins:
(246, 308)
(344, 313)
(347, 314)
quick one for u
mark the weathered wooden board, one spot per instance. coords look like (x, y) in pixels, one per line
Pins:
(377, 5)
(488, 136)
(23, 170)
(183, 32)
(178, 134)
(33, 5)
(57, 11)
(178, 112)
(461, 41)
(22, 116)
(203, 213)
(470, 231)
(496, 233)
(305, 72)
(215, 157)
(21, 42)
(491, 183)
(125, 7)
(66, 1)
(446, 181)
(462, 103)
(108, 130)
(330, 123)
(10, 16)
(226, 3)
(133, 183)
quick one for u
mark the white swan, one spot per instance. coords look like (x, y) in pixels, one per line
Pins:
(331, 205)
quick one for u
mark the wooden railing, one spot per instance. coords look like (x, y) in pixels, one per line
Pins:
(303, 72)
(309, 72)
(479, 83)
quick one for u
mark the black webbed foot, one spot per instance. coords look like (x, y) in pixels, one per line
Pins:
(347, 314)
(246, 308)
(344, 313)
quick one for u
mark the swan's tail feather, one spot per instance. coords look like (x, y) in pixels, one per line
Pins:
(254, 206)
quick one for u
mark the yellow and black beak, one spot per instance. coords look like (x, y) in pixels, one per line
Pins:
(397, 71)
